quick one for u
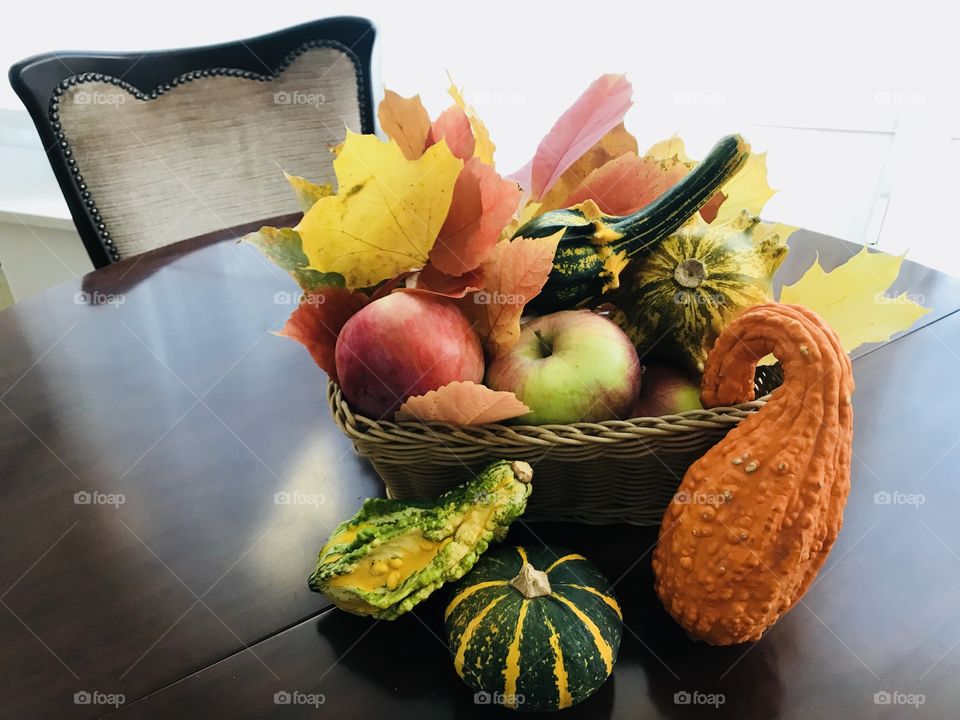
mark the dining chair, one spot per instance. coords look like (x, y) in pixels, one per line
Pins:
(151, 148)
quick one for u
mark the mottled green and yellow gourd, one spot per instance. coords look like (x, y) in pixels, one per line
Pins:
(534, 628)
(675, 300)
(393, 553)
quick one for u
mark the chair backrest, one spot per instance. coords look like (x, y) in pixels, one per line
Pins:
(152, 148)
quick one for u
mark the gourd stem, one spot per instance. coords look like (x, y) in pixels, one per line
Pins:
(690, 273)
(531, 583)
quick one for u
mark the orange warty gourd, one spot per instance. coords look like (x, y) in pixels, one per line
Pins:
(756, 516)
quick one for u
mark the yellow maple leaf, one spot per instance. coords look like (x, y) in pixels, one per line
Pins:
(484, 145)
(386, 214)
(670, 148)
(852, 299)
(307, 192)
(747, 190)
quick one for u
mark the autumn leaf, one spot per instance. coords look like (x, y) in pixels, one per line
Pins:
(318, 320)
(513, 275)
(283, 246)
(453, 125)
(614, 144)
(432, 281)
(386, 214)
(628, 183)
(672, 147)
(852, 300)
(462, 403)
(484, 146)
(405, 121)
(483, 204)
(747, 190)
(307, 192)
(598, 110)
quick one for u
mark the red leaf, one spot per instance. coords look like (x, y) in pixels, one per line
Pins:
(462, 403)
(435, 282)
(482, 205)
(318, 320)
(627, 183)
(453, 125)
(598, 110)
(398, 281)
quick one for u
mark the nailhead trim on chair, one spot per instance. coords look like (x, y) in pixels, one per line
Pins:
(66, 83)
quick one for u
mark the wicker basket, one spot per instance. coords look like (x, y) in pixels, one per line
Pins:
(596, 473)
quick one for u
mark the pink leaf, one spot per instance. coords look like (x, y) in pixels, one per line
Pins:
(598, 110)
(462, 403)
(482, 205)
(524, 176)
(625, 184)
(453, 125)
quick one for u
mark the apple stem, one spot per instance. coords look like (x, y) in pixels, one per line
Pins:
(544, 345)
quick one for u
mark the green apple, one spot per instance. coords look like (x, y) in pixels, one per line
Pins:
(570, 366)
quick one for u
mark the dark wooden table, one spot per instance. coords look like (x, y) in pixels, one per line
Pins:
(148, 421)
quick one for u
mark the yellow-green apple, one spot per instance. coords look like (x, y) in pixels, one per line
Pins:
(667, 390)
(404, 344)
(570, 366)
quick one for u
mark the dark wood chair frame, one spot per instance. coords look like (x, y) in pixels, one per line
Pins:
(41, 80)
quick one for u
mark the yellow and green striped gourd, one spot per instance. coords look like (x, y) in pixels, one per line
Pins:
(535, 628)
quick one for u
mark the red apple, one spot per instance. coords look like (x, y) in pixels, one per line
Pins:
(570, 366)
(404, 344)
(667, 390)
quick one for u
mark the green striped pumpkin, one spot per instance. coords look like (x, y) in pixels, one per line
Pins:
(534, 628)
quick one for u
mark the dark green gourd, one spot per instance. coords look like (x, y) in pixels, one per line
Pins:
(581, 265)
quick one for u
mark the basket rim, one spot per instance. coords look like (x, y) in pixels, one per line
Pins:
(360, 427)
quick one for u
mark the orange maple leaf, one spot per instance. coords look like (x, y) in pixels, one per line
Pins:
(405, 121)
(513, 275)
(462, 403)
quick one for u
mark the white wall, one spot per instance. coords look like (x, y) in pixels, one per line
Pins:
(857, 103)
